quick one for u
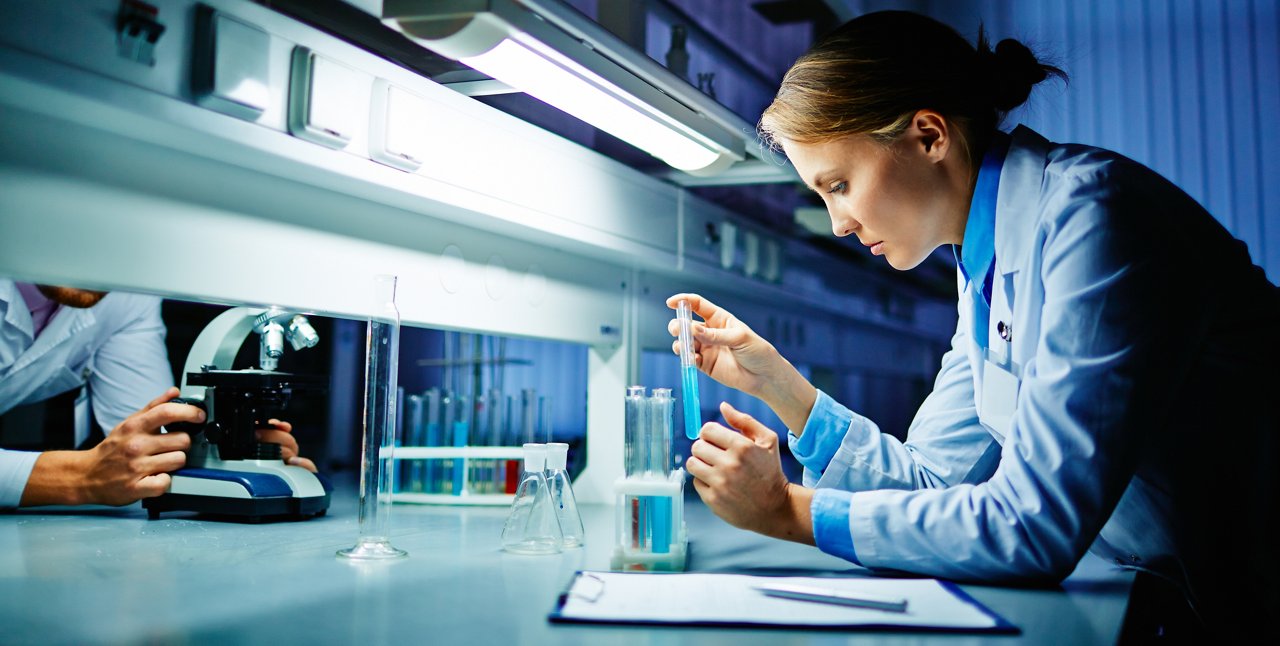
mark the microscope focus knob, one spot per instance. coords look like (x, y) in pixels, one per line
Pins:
(187, 427)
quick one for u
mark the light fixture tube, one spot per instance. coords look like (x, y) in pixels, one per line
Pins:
(514, 46)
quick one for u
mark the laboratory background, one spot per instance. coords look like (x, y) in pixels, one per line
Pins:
(357, 163)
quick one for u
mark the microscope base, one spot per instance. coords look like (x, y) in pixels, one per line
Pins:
(251, 510)
(252, 490)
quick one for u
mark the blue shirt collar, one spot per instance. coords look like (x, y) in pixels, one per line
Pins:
(978, 250)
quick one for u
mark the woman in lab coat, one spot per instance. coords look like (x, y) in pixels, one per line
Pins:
(1109, 386)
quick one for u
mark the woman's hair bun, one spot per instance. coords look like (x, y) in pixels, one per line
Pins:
(1010, 71)
(873, 73)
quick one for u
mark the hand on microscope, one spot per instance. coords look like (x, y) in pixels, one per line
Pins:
(281, 432)
(133, 462)
(730, 352)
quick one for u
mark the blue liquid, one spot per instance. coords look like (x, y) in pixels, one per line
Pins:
(661, 510)
(459, 440)
(692, 409)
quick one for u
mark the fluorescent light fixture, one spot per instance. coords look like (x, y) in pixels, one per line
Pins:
(507, 41)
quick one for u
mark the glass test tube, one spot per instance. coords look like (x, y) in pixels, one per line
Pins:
(635, 440)
(635, 421)
(528, 416)
(478, 481)
(497, 471)
(489, 481)
(544, 418)
(425, 470)
(513, 439)
(661, 406)
(382, 347)
(689, 373)
(444, 479)
(414, 429)
(460, 432)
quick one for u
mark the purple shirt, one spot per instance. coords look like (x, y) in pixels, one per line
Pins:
(42, 309)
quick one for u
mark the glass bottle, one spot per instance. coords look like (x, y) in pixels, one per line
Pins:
(562, 495)
(532, 525)
(382, 348)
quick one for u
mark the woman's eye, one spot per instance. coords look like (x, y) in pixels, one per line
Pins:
(838, 187)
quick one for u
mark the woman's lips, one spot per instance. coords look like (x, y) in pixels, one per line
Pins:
(877, 248)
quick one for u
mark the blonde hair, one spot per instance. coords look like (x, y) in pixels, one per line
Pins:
(872, 74)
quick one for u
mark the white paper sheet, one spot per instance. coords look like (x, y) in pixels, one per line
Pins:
(732, 598)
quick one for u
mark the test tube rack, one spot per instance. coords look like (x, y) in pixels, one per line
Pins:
(461, 459)
(650, 530)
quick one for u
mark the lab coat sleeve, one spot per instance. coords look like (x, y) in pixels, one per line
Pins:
(15, 469)
(1103, 365)
(132, 367)
(945, 444)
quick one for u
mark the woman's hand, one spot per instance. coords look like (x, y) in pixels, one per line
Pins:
(734, 355)
(739, 476)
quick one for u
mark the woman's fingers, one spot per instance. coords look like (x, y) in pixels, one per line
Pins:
(719, 437)
(699, 305)
(707, 452)
(701, 471)
(750, 427)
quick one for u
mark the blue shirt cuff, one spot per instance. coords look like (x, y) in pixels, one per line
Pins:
(830, 511)
(15, 470)
(823, 433)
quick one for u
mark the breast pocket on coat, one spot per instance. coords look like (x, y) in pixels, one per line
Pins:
(62, 380)
(1001, 374)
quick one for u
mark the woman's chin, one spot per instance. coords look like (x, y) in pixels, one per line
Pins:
(901, 261)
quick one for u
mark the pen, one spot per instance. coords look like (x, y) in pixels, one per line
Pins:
(837, 597)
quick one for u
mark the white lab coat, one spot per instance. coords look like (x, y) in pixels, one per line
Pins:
(1131, 411)
(116, 347)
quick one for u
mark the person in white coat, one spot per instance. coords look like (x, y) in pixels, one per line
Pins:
(1110, 384)
(59, 339)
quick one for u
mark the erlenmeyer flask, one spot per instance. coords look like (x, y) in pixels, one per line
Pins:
(533, 526)
(562, 495)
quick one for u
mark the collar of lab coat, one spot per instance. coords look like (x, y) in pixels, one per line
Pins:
(16, 313)
(1019, 196)
(64, 325)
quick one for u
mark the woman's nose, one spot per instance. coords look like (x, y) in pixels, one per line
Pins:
(842, 226)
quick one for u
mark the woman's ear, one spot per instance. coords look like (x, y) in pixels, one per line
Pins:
(930, 133)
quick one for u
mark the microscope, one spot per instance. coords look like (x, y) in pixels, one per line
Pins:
(229, 472)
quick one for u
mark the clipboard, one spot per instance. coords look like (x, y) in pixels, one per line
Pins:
(732, 600)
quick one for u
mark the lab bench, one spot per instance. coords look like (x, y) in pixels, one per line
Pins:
(108, 575)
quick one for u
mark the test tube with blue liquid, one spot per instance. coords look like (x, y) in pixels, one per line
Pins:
(689, 372)
(460, 433)
(659, 466)
(428, 473)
